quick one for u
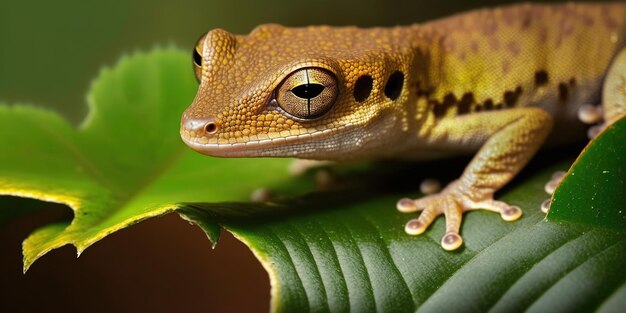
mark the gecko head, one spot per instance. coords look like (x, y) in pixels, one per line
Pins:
(315, 92)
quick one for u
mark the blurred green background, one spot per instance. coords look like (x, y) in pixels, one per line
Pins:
(49, 53)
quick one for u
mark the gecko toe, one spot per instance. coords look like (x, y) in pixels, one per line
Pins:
(545, 205)
(511, 213)
(430, 186)
(508, 212)
(406, 205)
(550, 187)
(593, 131)
(590, 114)
(415, 227)
(451, 241)
(554, 182)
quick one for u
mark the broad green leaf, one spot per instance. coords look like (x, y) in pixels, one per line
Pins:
(343, 249)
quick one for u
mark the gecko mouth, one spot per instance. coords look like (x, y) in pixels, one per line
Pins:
(288, 146)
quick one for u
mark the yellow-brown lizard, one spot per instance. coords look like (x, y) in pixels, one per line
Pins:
(493, 81)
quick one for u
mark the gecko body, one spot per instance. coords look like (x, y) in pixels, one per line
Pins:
(491, 82)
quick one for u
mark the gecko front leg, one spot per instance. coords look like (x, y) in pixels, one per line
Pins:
(509, 140)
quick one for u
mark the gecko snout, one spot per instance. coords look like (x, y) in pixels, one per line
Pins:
(201, 126)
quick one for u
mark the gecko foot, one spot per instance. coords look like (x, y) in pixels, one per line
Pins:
(452, 204)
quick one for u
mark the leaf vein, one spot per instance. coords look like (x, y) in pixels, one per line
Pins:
(291, 262)
(335, 257)
(360, 258)
(393, 266)
(308, 251)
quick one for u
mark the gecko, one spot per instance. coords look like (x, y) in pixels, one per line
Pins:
(495, 82)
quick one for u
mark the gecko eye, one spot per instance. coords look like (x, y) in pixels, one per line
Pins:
(197, 58)
(307, 93)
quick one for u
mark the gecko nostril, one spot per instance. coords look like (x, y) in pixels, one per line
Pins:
(200, 126)
(210, 127)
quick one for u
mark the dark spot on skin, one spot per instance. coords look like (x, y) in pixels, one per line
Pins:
(394, 85)
(363, 88)
(541, 78)
(449, 100)
(438, 108)
(563, 92)
(511, 97)
(465, 103)
(488, 104)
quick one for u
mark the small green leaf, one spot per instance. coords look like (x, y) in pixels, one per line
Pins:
(339, 250)
(594, 190)
(126, 163)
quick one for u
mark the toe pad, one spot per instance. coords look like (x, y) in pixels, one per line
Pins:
(451, 241)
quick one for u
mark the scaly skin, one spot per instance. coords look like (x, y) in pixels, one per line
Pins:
(492, 81)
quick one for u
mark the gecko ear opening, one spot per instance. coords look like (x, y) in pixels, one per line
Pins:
(393, 89)
(363, 87)
(308, 93)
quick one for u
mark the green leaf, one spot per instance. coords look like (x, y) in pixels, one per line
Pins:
(126, 162)
(601, 172)
(338, 250)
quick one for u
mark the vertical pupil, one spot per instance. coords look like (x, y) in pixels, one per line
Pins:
(308, 91)
(197, 58)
